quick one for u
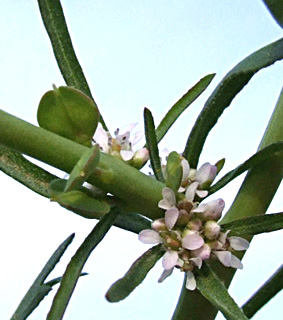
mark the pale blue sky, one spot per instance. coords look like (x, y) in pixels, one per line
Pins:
(135, 54)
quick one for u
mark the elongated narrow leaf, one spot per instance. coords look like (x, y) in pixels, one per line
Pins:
(181, 105)
(275, 7)
(213, 289)
(262, 155)
(224, 93)
(39, 289)
(256, 225)
(76, 265)
(54, 21)
(83, 169)
(136, 274)
(151, 143)
(264, 294)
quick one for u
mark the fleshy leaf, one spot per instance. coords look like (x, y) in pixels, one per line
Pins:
(174, 171)
(213, 289)
(255, 225)
(83, 169)
(275, 7)
(270, 151)
(39, 289)
(224, 93)
(264, 294)
(151, 143)
(81, 202)
(68, 113)
(181, 105)
(135, 275)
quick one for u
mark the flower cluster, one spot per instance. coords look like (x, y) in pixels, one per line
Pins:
(189, 231)
(121, 145)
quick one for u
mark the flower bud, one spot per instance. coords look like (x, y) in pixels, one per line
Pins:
(195, 225)
(211, 230)
(205, 175)
(159, 225)
(211, 210)
(140, 158)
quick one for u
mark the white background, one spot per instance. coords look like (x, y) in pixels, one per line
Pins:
(134, 54)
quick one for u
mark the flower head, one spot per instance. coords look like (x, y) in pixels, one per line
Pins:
(121, 145)
(190, 234)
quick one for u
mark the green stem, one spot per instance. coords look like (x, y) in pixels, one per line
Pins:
(253, 198)
(139, 192)
(54, 21)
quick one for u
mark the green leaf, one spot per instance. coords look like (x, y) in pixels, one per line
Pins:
(76, 265)
(83, 169)
(269, 151)
(264, 294)
(255, 225)
(151, 143)
(81, 202)
(275, 7)
(174, 171)
(181, 105)
(54, 21)
(223, 95)
(69, 113)
(39, 289)
(135, 275)
(213, 289)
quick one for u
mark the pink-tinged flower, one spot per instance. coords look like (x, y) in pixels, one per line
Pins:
(211, 210)
(121, 144)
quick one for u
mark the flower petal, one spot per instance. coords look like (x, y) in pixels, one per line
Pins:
(169, 199)
(206, 172)
(236, 262)
(238, 243)
(197, 261)
(127, 154)
(191, 191)
(149, 236)
(165, 274)
(170, 259)
(224, 257)
(191, 281)
(192, 241)
(171, 217)
(186, 169)
(203, 252)
(135, 138)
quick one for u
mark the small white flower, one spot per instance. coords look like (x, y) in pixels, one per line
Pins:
(211, 210)
(121, 144)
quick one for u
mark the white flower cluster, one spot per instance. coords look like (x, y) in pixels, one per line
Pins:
(189, 231)
(121, 145)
